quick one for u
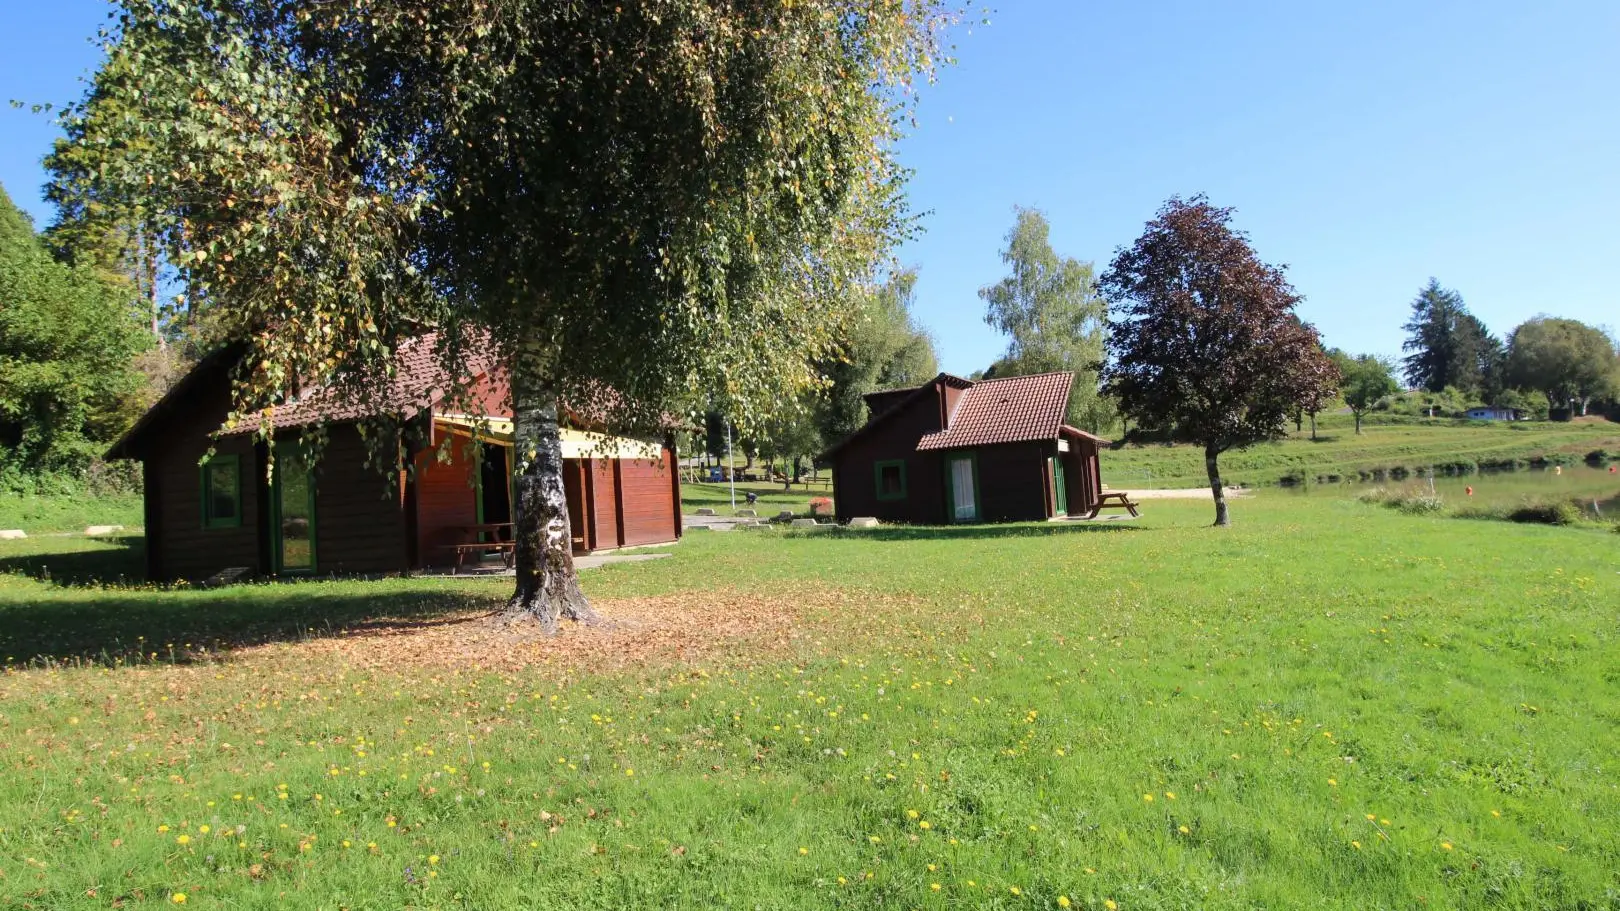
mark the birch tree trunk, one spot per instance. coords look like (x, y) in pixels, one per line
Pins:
(1211, 454)
(547, 582)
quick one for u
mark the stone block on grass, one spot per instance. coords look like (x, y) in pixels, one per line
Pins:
(97, 530)
(705, 511)
(12, 534)
(863, 522)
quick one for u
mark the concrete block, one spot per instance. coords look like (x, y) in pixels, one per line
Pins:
(96, 530)
(747, 513)
(863, 522)
(756, 526)
(705, 511)
(785, 515)
(12, 534)
(808, 523)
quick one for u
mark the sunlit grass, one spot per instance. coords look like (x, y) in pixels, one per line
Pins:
(1339, 451)
(1328, 705)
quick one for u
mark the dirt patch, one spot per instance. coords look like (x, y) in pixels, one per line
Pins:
(682, 628)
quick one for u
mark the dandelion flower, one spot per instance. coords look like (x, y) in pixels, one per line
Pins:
(912, 814)
(803, 850)
(1184, 830)
(1169, 795)
(924, 825)
(1063, 901)
(1445, 846)
(203, 829)
(183, 840)
(934, 887)
(1015, 890)
(433, 858)
(1110, 904)
(1148, 797)
(178, 898)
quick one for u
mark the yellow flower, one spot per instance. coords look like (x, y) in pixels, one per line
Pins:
(433, 858)
(1333, 782)
(924, 825)
(183, 840)
(1356, 845)
(1371, 816)
(1183, 830)
(803, 850)
(1169, 795)
(1015, 890)
(1148, 797)
(1445, 846)
(1063, 901)
(630, 772)
(203, 829)
(163, 828)
(934, 886)
(842, 881)
(912, 814)
(1110, 904)
(1496, 813)
(178, 898)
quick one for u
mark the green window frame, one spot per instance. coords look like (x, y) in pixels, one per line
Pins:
(877, 479)
(219, 475)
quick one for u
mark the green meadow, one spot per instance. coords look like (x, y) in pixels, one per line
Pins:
(1330, 704)
(1385, 444)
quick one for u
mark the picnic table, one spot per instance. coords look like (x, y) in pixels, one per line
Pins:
(1116, 499)
(480, 539)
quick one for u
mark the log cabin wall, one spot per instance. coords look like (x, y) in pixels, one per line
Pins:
(1013, 485)
(604, 504)
(180, 545)
(649, 514)
(895, 439)
(359, 517)
(446, 499)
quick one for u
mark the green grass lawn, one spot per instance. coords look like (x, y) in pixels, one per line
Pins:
(772, 498)
(1329, 705)
(36, 514)
(1409, 443)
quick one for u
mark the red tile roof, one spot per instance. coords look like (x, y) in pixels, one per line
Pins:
(419, 380)
(1009, 410)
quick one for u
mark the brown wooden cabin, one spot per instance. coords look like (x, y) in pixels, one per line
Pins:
(955, 450)
(343, 516)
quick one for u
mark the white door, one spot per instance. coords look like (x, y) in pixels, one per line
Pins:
(967, 507)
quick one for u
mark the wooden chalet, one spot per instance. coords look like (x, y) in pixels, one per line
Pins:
(955, 450)
(341, 515)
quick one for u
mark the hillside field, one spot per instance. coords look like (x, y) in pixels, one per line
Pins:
(1329, 705)
(1409, 444)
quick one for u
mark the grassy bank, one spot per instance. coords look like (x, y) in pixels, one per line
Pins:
(1329, 705)
(44, 513)
(1338, 452)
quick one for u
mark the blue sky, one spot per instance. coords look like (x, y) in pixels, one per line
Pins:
(1368, 146)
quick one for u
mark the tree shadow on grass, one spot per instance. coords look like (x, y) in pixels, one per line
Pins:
(975, 532)
(107, 625)
(121, 563)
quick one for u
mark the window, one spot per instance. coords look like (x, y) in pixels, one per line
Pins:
(222, 492)
(890, 478)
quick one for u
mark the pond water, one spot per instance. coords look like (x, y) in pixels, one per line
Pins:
(1584, 484)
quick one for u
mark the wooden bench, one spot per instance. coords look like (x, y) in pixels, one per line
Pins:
(1113, 500)
(506, 548)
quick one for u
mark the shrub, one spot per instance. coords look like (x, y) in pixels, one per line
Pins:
(1421, 504)
(1545, 512)
(1602, 456)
